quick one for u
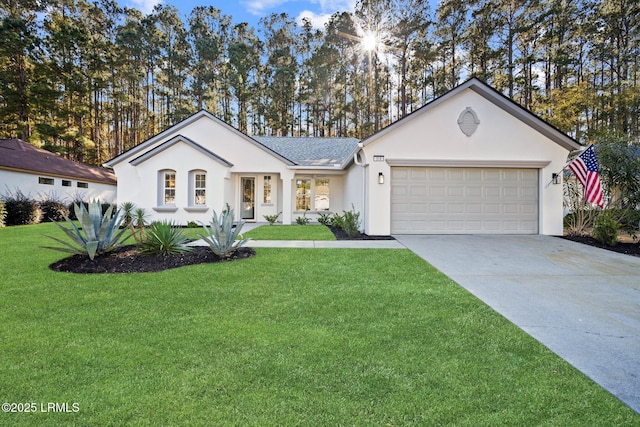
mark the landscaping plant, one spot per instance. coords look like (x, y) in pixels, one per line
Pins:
(349, 222)
(324, 218)
(164, 238)
(135, 219)
(302, 220)
(53, 209)
(3, 214)
(605, 228)
(221, 235)
(271, 219)
(21, 210)
(98, 233)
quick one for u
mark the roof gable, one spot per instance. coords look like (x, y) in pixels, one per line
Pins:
(139, 149)
(173, 141)
(498, 99)
(21, 156)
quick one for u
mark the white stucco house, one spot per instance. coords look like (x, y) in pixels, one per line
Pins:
(471, 161)
(41, 174)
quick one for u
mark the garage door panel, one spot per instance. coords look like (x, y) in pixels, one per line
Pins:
(464, 200)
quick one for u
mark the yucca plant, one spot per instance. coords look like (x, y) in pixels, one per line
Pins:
(221, 235)
(135, 219)
(98, 234)
(164, 238)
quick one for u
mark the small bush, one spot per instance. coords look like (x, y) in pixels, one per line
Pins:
(271, 219)
(605, 228)
(324, 219)
(53, 209)
(164, 238)
(21, 210)
(337, 221)
(351, 222)
(3, 214)
(192, 224)
(302, 220)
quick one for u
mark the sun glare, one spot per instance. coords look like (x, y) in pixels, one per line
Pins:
(369, 42)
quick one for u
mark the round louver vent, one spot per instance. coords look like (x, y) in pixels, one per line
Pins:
(468, 121)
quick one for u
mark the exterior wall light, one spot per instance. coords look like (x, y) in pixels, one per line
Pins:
(556, 178)
(380, 178)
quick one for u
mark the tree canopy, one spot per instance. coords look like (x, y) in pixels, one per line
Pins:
(92, 79)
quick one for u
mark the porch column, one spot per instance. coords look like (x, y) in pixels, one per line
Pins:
(287, 196)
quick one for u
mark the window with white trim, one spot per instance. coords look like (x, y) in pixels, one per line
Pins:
(169, 188)
(267, 190)
(312, 194)
(200, 188)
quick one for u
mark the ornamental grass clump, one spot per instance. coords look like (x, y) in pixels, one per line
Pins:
(98, 233)
(164, 238)
(221, 235)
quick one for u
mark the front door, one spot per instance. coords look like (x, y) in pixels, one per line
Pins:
(248, 198)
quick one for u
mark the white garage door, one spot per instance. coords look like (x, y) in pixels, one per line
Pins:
(464, 200)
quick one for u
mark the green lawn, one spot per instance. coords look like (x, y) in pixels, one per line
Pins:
(309, 337)
(291, 232)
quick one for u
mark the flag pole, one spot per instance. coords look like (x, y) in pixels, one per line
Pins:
(582, 150)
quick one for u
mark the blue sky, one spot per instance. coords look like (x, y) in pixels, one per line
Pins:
(251, 11)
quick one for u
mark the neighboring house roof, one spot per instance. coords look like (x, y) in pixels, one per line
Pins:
(313, 151)
(139, 149)
(500, 101)
(20, 156)
(173, 141)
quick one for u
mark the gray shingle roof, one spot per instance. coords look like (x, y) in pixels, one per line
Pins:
(312, 151)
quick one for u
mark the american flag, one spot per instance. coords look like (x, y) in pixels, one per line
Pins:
(585, 167)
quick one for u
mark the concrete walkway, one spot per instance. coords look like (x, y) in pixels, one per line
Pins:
(581, 302)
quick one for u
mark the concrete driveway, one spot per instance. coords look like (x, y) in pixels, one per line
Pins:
(581, 302)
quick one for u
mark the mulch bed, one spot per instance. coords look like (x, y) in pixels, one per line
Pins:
(128, 259)
(341, 235)
(622, 247)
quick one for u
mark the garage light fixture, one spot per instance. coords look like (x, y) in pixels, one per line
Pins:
(380, 178)
(556, 178)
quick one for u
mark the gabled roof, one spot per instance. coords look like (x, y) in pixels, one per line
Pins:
(313, 151)
(497, 99)
(21, 156)
(173, 141)
(140, 148)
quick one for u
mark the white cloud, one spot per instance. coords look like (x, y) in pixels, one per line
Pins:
(259, 7)
(145, 6)
(327, 9)
(317, 20)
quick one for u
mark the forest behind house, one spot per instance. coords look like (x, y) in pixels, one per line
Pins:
(89, 80)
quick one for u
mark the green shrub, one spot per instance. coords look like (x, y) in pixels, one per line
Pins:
(164, 238)
(324, 218)
(605, 228)
(3, 214)
(100, 233)
(192, 224)
(21, 210)
(53, 209)
(221, 235)
(302, 220)
(351, 222)
(337, 220)
(271, 219)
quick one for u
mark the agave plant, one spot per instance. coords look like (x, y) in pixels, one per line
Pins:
(164, 238)
(98, 233)
(221, 235)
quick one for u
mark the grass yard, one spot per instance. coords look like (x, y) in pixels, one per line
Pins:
(311, 337)
(290, 232)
